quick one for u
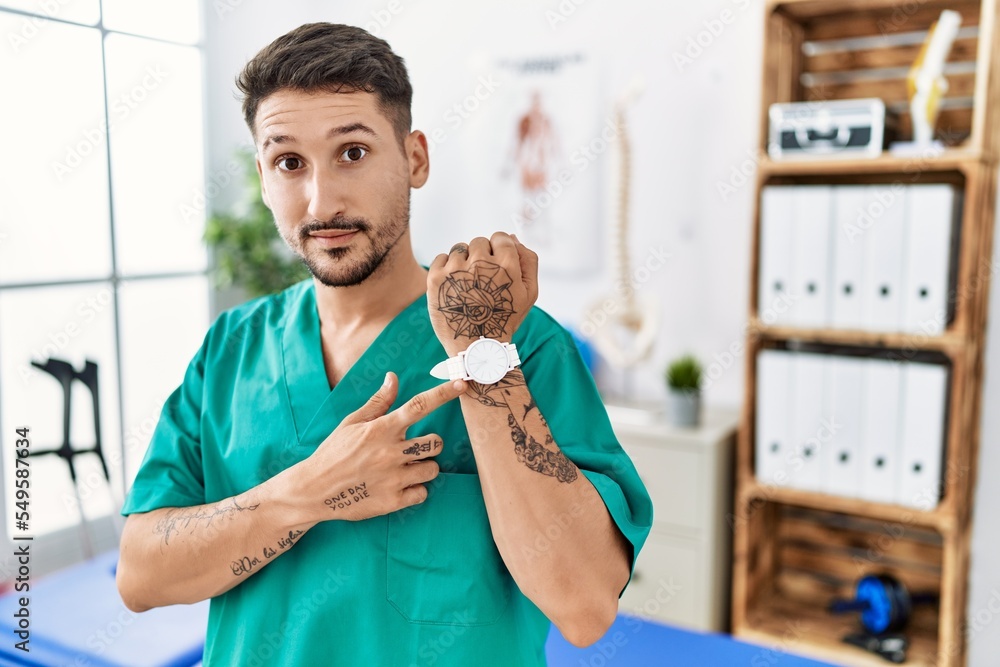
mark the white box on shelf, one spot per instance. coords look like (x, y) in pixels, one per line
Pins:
(884, 235)
(773, 440)
(847, 292)
(882, 429)
(930, 229)
(846, 400)
(776, 238)
(810, 426)
(811, 242)
(925, 393)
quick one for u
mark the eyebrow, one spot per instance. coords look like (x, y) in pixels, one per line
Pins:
(359, 128)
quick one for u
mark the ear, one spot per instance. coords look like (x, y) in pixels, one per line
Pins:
(418, 157)
(260, 175)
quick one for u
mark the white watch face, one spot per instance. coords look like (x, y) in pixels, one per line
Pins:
(486, 361)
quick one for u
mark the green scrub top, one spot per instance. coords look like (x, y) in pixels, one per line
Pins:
(421, 586)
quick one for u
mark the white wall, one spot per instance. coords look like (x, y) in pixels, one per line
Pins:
(692, 127)
(689, 130)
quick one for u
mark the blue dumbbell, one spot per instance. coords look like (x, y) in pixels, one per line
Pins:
(884, 603)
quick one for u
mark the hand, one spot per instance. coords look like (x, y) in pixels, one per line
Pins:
(367, 467)
(485, 288)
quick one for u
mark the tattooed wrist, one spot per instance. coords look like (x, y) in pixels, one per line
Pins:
(495, 395)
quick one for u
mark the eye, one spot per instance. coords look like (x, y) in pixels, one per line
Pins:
(355, 153)
(288, 163)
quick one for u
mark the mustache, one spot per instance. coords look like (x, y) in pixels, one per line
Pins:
(339, 224)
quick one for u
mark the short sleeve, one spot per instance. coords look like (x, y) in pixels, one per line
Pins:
(566, 395)
(171, 471)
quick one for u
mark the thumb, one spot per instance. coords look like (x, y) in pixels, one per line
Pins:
(378, 404)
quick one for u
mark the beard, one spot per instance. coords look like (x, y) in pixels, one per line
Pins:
(337, 267)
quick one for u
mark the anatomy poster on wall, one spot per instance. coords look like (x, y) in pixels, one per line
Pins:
(545, 149)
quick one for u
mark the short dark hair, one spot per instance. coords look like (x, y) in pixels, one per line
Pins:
(329, 57)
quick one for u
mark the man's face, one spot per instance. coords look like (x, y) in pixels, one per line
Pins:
(336, 179)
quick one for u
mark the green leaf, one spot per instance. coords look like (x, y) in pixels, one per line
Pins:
(250, 253)
(684, 374)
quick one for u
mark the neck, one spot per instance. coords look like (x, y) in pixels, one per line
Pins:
(396, 283)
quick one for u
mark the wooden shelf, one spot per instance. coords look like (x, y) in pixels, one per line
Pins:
(807, 10)
(948, 342)
(952, 159)
(791, 626)
(793, 550)
(939, 519)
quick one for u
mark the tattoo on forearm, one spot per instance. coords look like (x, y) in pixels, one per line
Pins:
(430, 445)
(495, 395)
(535, 455)
(244, 565)
(176, 519)
(477, 302)
(248, 564)
(286, 542)
(532, 454)
(352, 495)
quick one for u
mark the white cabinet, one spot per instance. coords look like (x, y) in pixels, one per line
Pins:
(682, 574)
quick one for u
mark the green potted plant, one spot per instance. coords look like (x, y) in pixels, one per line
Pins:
(684, 391)
(249, 252)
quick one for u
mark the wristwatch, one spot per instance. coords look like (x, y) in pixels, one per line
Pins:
(486, 361)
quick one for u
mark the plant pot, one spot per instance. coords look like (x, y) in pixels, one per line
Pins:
(684, 407)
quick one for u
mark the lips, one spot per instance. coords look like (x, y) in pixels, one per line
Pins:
(334, 238)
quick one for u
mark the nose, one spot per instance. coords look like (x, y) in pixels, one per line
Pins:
(325, 194)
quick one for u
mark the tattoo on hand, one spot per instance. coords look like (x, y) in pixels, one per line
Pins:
(422, 447)
(477, 302)
(532, 454)
(176, 519)
(349, 496)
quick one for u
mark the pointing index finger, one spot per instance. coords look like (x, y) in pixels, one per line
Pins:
(425, 403)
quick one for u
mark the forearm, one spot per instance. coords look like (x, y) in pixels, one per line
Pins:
(549, 522)
(180, 555)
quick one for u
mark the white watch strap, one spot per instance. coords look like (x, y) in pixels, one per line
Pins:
(440, 370)
(515, 359)
(452, 368)
(456, 367)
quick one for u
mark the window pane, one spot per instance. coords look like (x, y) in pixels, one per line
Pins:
(54, 223)
(173, 20)
(157, 155)
(163, 322)
(77, 11)
(74, 324)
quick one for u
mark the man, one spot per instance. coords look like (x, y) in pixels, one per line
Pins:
(316, 481)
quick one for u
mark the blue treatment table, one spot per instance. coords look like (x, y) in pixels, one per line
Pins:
(79, 620)
(634, 642)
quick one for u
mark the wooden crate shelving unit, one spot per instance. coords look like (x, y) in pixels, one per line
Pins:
(795, 550)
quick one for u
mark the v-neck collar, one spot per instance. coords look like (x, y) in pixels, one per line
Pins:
(313, 404)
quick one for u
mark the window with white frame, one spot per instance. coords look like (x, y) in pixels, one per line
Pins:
(101, 223)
